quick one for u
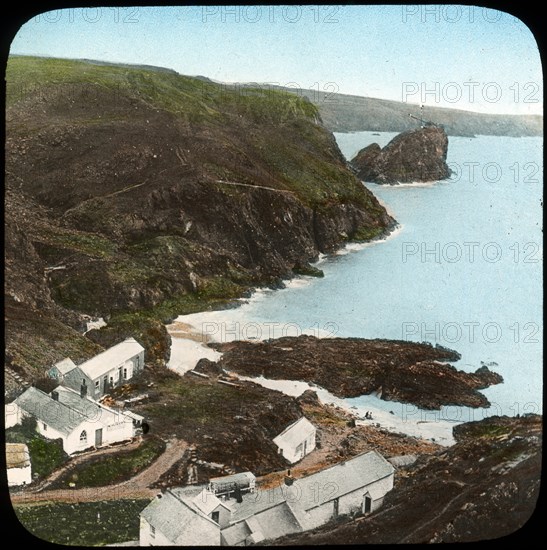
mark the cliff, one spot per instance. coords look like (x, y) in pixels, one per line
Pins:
(417, 155)
(144, 193)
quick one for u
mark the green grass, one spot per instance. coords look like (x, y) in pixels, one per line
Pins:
(115, 468)
(46, 455)
(90, 244)
(190, 406)
(84, 523)
(200, 100)
(366, 233)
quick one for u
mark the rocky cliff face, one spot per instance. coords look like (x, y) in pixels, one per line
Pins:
(415, 155)
(134, 192)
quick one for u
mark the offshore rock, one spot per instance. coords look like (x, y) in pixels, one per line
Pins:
(413, 156)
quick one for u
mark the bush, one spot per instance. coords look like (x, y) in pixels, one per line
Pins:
(45, 455)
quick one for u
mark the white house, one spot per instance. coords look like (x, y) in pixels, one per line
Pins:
(18, 464)
(179, 516)
(108, 369)
(296, 440)
(173, 519)
(78, 421)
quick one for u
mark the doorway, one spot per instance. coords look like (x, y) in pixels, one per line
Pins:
(98, 437)
(367, 504)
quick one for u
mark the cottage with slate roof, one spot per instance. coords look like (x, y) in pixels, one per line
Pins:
(18, 464)
(78, 421)
(174, 519)
(110, 368)
(296, 440)
(179, 516)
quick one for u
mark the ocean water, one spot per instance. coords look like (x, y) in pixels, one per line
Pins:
(463, 269)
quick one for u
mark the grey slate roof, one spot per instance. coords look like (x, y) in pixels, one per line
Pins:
(339, 480)
(254, 503)
(111, 358)
(65, 365)
(315, 489)
(277, 521)
(55, 414)
(175, 519)
(65, 414)
(294, 434)
(236, 534)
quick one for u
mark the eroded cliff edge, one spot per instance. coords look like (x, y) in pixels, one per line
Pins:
(136, 194)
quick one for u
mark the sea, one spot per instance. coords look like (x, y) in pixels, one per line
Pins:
(462, 269)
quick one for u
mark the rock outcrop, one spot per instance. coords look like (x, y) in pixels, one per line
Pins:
(413, 156)
(395, 370)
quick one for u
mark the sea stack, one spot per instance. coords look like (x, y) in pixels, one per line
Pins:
(413, 156)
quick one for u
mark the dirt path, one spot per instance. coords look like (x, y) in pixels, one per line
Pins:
(54, 476)
(136, 487)
(254, 186)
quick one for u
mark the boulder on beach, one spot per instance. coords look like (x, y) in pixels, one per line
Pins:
(414, 156)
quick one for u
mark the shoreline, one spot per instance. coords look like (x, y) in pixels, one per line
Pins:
(191, 332)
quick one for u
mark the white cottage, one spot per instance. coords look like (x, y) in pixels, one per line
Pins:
(179, 516)
(296, 440)
(78, 421)
(18, 464)
(175, 519)
(110, 368)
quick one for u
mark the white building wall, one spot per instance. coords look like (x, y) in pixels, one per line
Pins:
(204, 534)
(320, 515)
(19, 476)
(224, 516)
(12, 415)
(296, 453)
(146, 539)
(350, 502)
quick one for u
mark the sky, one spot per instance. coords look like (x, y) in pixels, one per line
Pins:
(462, 57)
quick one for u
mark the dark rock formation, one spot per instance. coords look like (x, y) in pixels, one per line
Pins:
(407, 372)
(415, 155)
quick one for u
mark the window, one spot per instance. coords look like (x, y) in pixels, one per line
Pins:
(83, 437)
(215, 516)
(96, 383)
(44, 427)
(152, 532)
(125, 372)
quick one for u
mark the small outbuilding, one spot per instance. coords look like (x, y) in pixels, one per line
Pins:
(296, 440)
(18, 464)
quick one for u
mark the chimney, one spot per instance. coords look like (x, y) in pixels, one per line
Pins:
(289, 480)
(55, 395)
(83, 390)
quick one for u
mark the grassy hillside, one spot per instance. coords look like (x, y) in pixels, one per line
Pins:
(137, 194)
(349, 113)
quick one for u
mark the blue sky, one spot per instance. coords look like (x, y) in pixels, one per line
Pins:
(455, 56)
